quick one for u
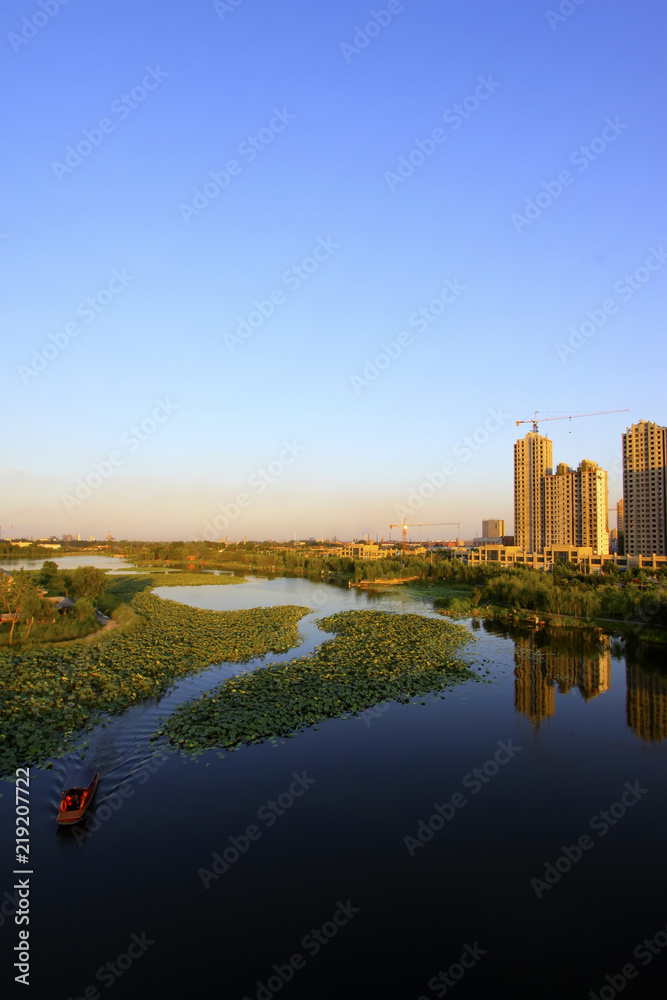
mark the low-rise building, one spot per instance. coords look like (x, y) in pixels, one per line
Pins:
(61, 603)
(493, 527)
(585, 557)
(361, 550)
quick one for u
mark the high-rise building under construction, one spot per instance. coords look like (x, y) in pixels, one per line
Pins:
(533, 459)
(645, 489)
(575, 507)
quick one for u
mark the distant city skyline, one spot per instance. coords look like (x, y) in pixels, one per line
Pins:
(225, 516)
(309, 302)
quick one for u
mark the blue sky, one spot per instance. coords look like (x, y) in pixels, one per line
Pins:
(311, 223)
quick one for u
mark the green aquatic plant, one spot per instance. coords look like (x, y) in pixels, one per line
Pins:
(375, 656)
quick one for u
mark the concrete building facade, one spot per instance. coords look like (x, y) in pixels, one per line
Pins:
(645, 489)
(493, 527)
(533, 459)
(575, 505)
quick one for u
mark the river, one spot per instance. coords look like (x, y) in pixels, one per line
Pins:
(509, 836)
(114, 564)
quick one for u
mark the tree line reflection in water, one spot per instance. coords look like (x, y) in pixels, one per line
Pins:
(547, 660)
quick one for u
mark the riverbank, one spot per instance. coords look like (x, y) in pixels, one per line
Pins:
(531, 620)
(459, 600)
(534, 620)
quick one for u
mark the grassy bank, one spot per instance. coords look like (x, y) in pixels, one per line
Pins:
(375, 656)
(171, 578)
(50, 694)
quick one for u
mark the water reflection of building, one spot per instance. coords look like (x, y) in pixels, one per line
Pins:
(539, 669)
(534, 692)
(646, 703)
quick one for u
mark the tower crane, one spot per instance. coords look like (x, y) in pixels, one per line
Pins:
(570, 416)
(428, 524)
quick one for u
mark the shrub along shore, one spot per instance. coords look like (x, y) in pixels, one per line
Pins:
(562, 599)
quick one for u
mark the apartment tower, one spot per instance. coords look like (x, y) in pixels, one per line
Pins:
(645, 489)
(620, 527)
(575, 506)
(533, 459)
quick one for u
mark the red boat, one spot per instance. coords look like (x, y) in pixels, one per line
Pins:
(78, 795)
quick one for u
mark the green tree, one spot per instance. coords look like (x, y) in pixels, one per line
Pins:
(84, 610)
(48, 573)
(22, 598)
(86, 581)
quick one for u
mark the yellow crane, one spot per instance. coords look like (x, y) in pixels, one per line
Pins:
(570, 416)
(428, 524)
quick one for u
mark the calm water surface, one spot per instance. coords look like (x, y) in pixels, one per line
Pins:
(567, 737)
(69, 562)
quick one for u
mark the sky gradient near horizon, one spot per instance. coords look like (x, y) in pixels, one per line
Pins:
(217, 217)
